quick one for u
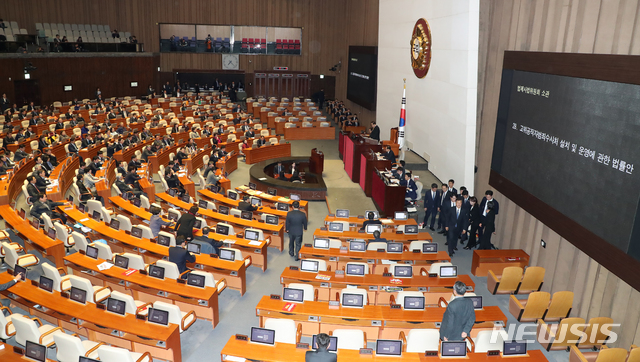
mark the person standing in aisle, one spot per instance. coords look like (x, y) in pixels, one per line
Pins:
(295, 225)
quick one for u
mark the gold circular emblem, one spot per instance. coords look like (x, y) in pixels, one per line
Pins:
(421, 48)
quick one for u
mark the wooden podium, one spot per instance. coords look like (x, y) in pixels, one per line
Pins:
(354, 147)
(368, 164)
(316, 162)
(387, 198)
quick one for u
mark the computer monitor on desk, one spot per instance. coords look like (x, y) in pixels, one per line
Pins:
(263, 336)
(335, 227)
(158, 316)
(453, 349)
(281, 206)
(402, 271)
(46, 284)
(477, 301)
(136, 232)
(355, 269)
(309, 265)
(386, 347)
(116, 306)
(78, 295)
(224, 210)
(413, 303)
(411, 229)
(121, 262)
(352, 300)
(36, 352)
(321, 243)
(293, 295)
(357, 245)
(156, 272)
(342, 213)
(195, 280)
(193, 248)
(514, 348)
(246, 215)
(333, 343)
(448, 271)
(371, 228)
(251, 235)
(294, 197)
(226, 254)
(394, 247)
(271, 220)
(92, 252)
(429, 248)
(222, 229)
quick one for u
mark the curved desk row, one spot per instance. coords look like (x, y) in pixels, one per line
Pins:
(386, 234)
(220, 199)
(96, 324)
(380, 287)
(377, 321)
(203, 301)
(119, 241)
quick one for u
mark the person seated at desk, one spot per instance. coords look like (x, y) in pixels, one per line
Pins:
(52, 158)
(284, 112)
(377, 238)
(134, 162)
(371, 220)
(243, 146)
(278, 171)
(32, 189)
(5, 286)
(321, 354)
(174, 166)
(42, 142)
(261, 141)
(44, 206)
(40, 176)
(126, 188)
(212, 178)
(220, 129)
(184, 226)
(122, 168)
(244, 205)
(249, 133)
(181, 155)
(46, 163)
(245, 127)
(173, 181)
(295, 174)
(156, 222)
(87, 141)
(180, 256)
(21, 154)
(207, 245)
(389, 155)
(131, 177)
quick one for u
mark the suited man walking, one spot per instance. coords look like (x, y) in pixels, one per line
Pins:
(295, 225)
(459, 316)
(457, 223)
(442, 222)
(488, 196)
(321, 354)
(432, 201)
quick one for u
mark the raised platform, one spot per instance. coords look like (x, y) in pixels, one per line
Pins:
(313, 189)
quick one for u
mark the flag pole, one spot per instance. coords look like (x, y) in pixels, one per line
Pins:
(402, 122)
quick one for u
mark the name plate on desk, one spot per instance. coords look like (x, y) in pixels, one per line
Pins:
(339, 273)
(274, 296)
(325, 285)
(203, 303)
(376, 323)
(333, 258)
(396, 306)
(313, 318)
(241, 337)
(493, 353)
(117, 333)
(334, 304)
(293, 268)
(373, 287)
(307, 245)
(422, 289)
(366, 351)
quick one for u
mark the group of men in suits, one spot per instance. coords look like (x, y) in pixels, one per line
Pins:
(456, 212)
(280, 171)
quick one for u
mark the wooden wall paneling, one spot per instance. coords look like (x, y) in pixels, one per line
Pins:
(579, 26)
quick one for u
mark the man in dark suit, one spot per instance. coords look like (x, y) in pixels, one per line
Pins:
(4, 103)
(432, 201)
(442, 220)
(488, 196)
(279, 170)
(295, 225)
(451, 188)
(20, 153)
(295, 173)
(33, 191)
(321, 354)
(459, 316)
(207, 245)
(122, 168)
(465, 199)
(72, 146)
(41, 183)
(375, 132)
(123, 187)
(377, 238)
(245, 205)
(249, 133)
(180, 256)
(44, 206)
(389, 155)
(457, 224)
(371, 220)
(412, 188)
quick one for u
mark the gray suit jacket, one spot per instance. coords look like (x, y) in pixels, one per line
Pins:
(296, 222)
(320, 355)
(459, 317)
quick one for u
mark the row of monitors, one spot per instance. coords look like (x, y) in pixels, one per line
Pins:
(371, 228)
(361, 245)
(386, 347)
(203, 204)
(398, 271)
(357, 300)
(398, 215)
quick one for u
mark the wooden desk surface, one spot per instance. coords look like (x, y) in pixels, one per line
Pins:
(7, 355)
(265, 196)
(389, 235)
(285, 352)
(416, 282)
(497, 260)
(91, 317)
(275, 308)
(168, 285)
(221, 199)
(255, 155)
(148, 249)
(364, 256)
(53, 249)
(360, 220)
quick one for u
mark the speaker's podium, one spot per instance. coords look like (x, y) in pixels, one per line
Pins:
(387, 196)
(369, 162)
(354, 146)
